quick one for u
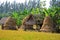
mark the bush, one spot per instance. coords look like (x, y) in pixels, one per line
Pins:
(16, 16)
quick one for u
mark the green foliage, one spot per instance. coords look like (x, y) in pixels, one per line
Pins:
(35, 11)
(18, 21)
(34, 7)
(46, 12)
(16, 16)
(55, 14)
(49, 12)
(20, 16)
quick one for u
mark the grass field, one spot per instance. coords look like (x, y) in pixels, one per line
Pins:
(27, 35)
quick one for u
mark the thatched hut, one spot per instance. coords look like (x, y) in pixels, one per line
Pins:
(31, 20)
(8, 23)
(48, 25)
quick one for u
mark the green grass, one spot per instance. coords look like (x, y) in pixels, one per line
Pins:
(28, 35)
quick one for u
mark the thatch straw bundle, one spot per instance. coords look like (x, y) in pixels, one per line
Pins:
(9, 23)
(48, 25)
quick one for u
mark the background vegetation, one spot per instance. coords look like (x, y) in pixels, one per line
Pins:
(20, 10)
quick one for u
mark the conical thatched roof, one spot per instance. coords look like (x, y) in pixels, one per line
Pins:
(29, 20)
(3, 20)
(8, 23)
(48, 25)
(33, 19)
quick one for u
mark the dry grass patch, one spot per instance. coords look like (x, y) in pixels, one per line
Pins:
(28, 35)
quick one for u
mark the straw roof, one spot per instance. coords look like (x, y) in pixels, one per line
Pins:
(29, 20)
(48, 25)
(8, 23)
(3, 20)
(33, 19)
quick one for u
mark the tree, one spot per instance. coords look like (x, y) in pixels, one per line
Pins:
(55, 3)
(2, 7)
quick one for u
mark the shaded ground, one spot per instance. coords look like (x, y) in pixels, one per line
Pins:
(27, 35)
